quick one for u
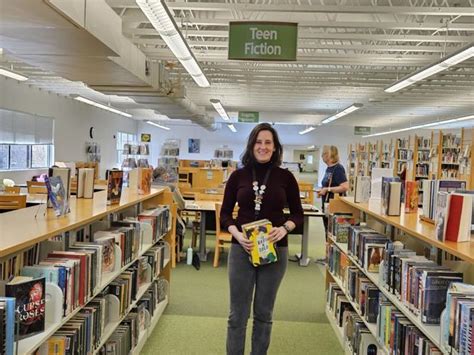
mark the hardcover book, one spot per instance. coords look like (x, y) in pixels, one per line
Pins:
(57, 195)
(264, 251)
(144, 181)
(114, 186)
(441, 216)
(411, 197)
(30, 303)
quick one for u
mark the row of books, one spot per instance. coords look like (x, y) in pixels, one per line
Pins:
(158, 218)
(422, 170)
(423, 143)
(136, 149)
(423, 156)
(12, 265)
(355, 332)
(454, 216)
(451, 141)
(403, 143)
(449, 173)
(405, 154)
(84, 333)
(451, 156)
(7, 325)
(430, 193)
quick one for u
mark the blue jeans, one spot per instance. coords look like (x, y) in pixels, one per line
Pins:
(243, 279)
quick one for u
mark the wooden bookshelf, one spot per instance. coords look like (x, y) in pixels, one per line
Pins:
(449, 152)
(23, 229)
(351, 167)
(421, 162)
(374, 156)
(409, 223)
(403, 154)
(362, 164)
(386, 155)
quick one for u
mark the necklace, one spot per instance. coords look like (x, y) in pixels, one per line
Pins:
(259, 190)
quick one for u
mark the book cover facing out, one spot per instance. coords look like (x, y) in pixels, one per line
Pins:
(30, 305)
(114, 186)
(264, 251)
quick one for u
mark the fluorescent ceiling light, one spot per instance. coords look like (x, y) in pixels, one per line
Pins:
(344, 112)
(103, 107)
(220, 109)
(443, 64)
(311, 147)
(424, 125)
(162, 20)
(12, 75)
(232, 128)
(158, 125)
(307, 130)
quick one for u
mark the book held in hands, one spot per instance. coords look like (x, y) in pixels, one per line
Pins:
(264, 251)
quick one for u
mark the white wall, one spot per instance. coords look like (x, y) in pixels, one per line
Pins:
(72, 120)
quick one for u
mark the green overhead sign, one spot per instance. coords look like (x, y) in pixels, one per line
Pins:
(273, 41)
(248, 117)
(361, 130)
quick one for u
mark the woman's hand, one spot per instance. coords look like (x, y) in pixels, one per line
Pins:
(276, 234)
(323, 192)
(243, 241)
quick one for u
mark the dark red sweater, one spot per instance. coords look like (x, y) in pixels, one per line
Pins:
(282, 191)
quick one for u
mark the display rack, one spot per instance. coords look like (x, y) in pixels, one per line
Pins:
(16, 236)
(411, 226)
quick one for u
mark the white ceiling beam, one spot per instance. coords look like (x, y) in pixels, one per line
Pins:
(228, 7)
(306, 34)
(305, 43)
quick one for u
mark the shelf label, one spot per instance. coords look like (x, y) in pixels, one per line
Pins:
(271, 41)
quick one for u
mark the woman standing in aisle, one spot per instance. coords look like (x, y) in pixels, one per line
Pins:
(334, 181)
(262, 189)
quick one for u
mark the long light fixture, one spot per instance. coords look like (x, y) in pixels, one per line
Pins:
(103, 107)
(162, 20)
(311, 147)
(307, 130)
(12, 75)
(344, 112)
(158, 125)
(424, 125)
(220, 109)
(232, 128)
(443, 64)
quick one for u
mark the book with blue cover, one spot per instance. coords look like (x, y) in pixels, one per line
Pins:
(57, 195)
(7, 325)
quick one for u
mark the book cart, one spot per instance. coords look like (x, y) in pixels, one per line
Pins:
(411, 230)
(24, 229)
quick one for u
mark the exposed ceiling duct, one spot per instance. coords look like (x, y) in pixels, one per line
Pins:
(82, 41)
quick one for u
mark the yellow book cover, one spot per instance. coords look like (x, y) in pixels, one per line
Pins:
(56, 345)
(264, 251)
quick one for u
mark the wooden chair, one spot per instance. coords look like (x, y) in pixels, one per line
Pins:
(221, 236)
(12, 190)
(12, 202)
(36, 187)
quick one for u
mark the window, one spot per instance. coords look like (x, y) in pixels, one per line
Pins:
(122, 138)
(40, 156)
(4, 156)
(18, 156)
(25, 156)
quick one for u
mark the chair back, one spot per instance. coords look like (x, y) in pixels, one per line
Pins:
(12, 189)
(208, 197)
(36, 187)
(218, 218)
(12, 202)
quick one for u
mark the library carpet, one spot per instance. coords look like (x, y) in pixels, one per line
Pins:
(195, 321)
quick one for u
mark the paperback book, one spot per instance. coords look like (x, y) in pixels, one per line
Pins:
(264, 251)
(114, 186)
(57, 195)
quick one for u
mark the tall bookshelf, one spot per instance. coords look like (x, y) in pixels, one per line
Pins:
(362, 165)
(26, 229)
(409, 229)
(351, 166)
(386, 157)
(374, 156)
(421, 162)
(467, 158)
(403, 154)
(449, 153)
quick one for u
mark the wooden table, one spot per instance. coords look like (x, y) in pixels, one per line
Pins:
(210, 206)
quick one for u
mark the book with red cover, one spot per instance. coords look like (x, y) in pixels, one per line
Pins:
(454, 218)
(83, 270)
(411, 196)
(144, 181)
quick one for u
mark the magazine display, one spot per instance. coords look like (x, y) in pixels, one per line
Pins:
(264, 251)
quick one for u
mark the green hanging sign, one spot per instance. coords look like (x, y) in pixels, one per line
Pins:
(249, 117)
(272, 41)
(362, 130)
